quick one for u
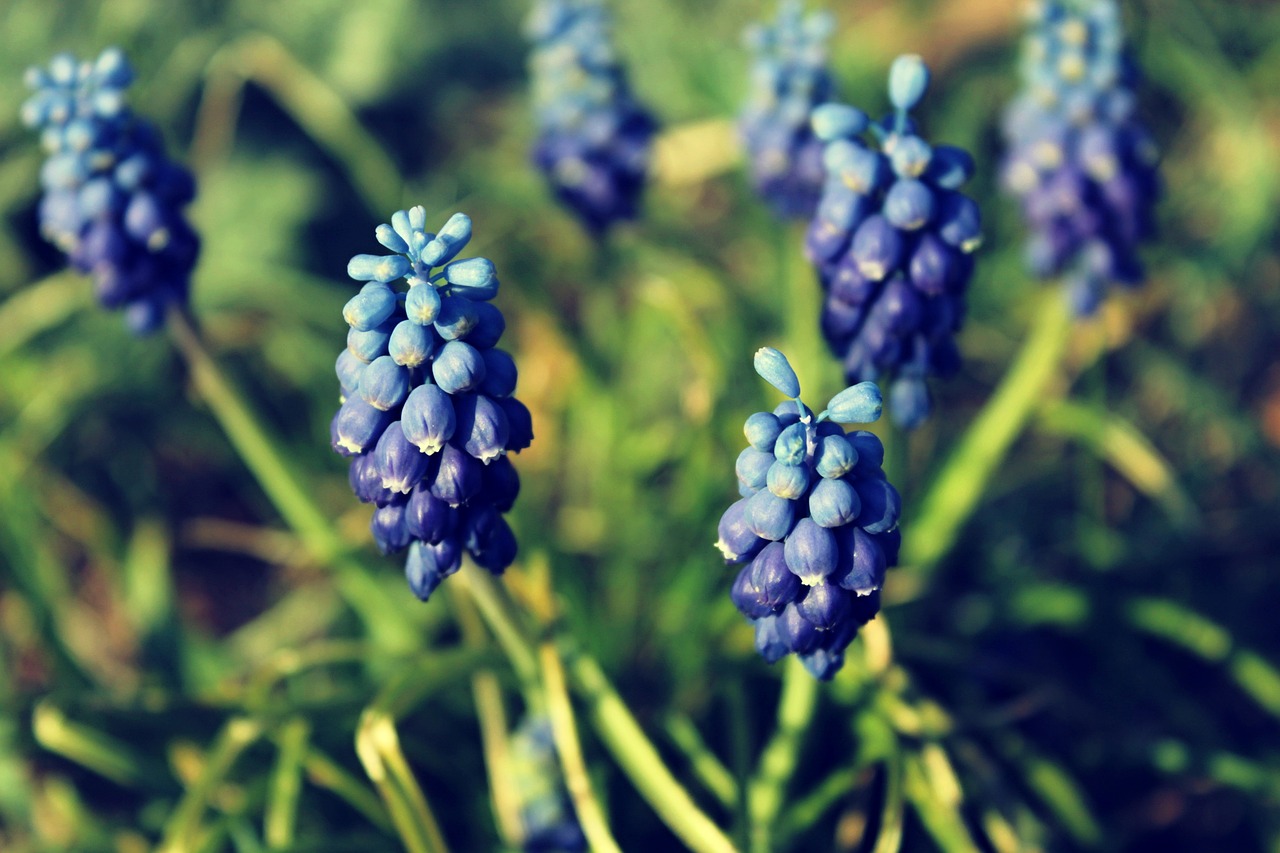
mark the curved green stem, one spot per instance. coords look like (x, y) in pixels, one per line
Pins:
(382, 616)
(184, 823)
(958, 487)
(565, 732)
(378, 746)
(636, 755)
(767, 788)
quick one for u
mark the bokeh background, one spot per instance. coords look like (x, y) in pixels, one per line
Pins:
(1094, 660)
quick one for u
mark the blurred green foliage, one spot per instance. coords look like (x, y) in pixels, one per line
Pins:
(1089, 667)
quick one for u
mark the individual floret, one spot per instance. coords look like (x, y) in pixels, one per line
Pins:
(593, 135)
(816, 527)
(892, 241)
(427, 412)
(789, 76)
(112, 200)
(1079, 160)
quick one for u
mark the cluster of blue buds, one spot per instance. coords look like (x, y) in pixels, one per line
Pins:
(112, 200)
(547, 818)
(817, 524)
(593, 135)
(892, 240)
(1080, 162)
(789, 76)
(428, 413)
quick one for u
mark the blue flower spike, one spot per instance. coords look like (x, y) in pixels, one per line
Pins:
(1079, 160)
(429, 416)
(113, 201)
(816, 526)
(892, 241)
(594, 136)
(789, 76)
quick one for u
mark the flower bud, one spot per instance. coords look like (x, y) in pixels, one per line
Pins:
(788, 481)
(481, 426)
(356, 427)
(400, 464)
(389, 531)
(810, 551)
(752, 467)
(422, 304)
(908, 78)
(458, 367)
(774, 368)
(736, 540)
(427, 517)
(458, 478)
(762, 430)
(769, 516)
(857, 404)
(824, 605)
(836, 121)
(836, 456)
(833, 503)
(428, 418)
(410, 345)
(880, 505)
(384, 384)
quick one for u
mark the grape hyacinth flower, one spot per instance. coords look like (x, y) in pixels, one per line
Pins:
(593, 135)
(427, 412)
(789, 76)
(892, 241)
(547, 818)
(1079, 161)
(112, 199)
(817, 523)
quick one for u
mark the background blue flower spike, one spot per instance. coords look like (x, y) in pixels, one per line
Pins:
(594, 137)
(112, 199)
(892, 241)
(1080, 162)
(789, 76)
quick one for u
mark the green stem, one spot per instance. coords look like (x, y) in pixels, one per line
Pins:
(638, 758)
(506, 622)
(609, 715)
(715, 777)
(378, 746)
(767, 788)
(182, 827)
(492, 718)
(326, 773)
(565, 732)
(383, 618)
(280, 821)
(960, 484)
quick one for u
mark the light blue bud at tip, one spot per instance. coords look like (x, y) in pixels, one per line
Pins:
(388, 237)
(908, 78)
(453, 237)
(382, 268)
(837, 121)
(774, 368)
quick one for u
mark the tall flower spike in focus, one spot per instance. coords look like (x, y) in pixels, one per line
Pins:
(892, 241)
(593, 135)
(817, 524)
(1079, 161)
(112, 200)
(427, 412)
(789, 76)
